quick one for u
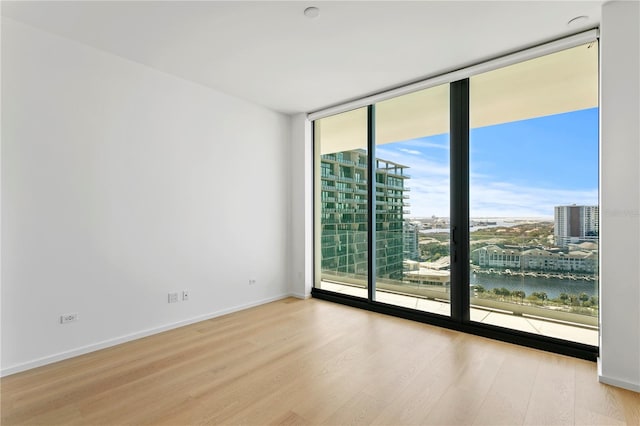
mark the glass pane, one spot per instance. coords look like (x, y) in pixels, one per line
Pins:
(412, 201)
(341, 203)
(534, 196)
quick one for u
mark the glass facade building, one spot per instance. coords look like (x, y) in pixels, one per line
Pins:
(344, 216)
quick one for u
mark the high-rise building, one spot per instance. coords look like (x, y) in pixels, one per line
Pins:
(410, 235)
(343, 197)
(574, 224)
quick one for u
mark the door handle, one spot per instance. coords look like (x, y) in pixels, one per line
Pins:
(454, 251)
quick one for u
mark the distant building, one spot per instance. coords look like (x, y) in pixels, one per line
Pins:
(343, 194)
(410, 236)
(535, 259)
(575, 224)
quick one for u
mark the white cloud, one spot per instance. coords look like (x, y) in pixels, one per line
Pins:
(429, 182)
(489, 197)
(422, 143)
(411, 151)
(418, 166)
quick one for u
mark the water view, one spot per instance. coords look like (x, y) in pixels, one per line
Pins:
(532, 199)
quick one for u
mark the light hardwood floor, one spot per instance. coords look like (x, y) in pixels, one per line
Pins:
(315, 362)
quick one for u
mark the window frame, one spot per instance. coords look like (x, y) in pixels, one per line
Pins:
(459, 131)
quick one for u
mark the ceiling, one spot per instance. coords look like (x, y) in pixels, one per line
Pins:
(270, 53)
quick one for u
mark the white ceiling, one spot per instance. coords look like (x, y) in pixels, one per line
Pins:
(269, 53)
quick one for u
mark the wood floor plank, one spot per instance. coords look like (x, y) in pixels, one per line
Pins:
(508, 397)
(413, 403)
(312, 362)
(553, 394)
(595, 402)
(630, 402)
(479, 363)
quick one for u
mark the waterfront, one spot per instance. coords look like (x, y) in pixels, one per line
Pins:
(552, 286)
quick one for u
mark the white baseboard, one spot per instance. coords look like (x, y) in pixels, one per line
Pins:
(616, 382)
(133, 336)
(301, 296)
(619, 383)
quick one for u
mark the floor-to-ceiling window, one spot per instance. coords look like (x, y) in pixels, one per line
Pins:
(341, 164)
(472, 204)
(412, 200)
(534, 195)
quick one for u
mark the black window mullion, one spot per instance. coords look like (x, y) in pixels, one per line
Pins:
(371, 206)
(459, 242)
(459, 164)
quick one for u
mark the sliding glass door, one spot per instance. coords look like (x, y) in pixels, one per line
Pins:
(412, 200)
(471, 204)
(534, 195)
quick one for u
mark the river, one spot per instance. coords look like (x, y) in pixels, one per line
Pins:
(552, 286)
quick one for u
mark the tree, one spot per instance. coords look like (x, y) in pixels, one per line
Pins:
(564, 297)
(540, 295)
(433, 251)
(501, 292)
(583, 297)
(480, 289)
(519, 294)
(573, 299)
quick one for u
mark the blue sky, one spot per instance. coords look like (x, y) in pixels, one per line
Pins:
(518, 169)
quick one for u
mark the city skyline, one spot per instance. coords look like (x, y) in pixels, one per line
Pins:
(554, 162)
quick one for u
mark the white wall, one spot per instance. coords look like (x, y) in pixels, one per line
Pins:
(120, 184)
(619, 362)
(301, 243)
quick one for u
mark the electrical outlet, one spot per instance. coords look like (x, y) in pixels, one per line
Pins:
(252, 281)
(66, 318)
(185, 295)
(173, 298)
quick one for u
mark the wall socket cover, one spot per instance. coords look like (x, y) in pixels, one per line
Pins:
(66, 318)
